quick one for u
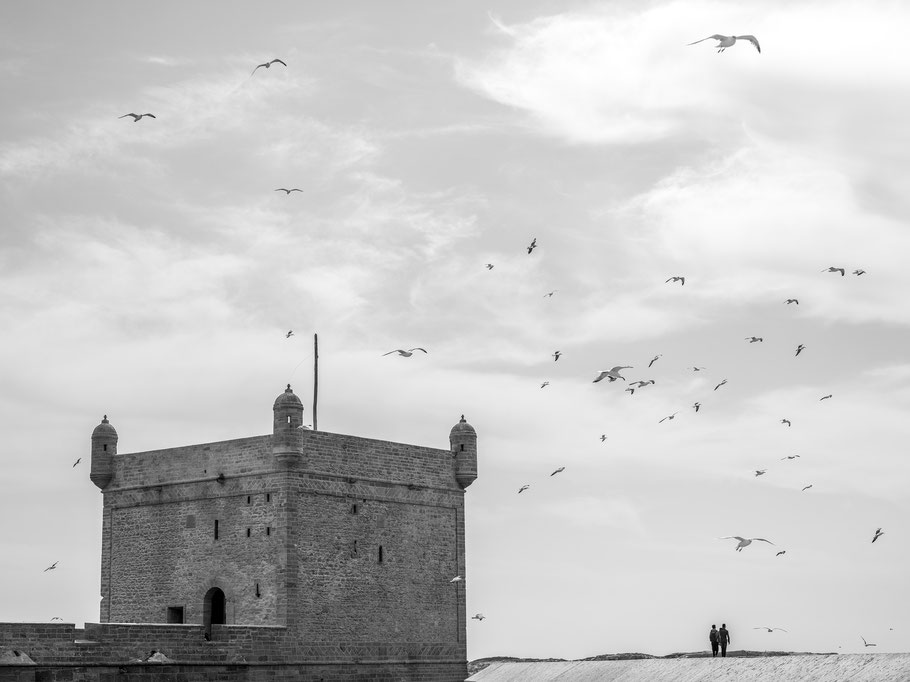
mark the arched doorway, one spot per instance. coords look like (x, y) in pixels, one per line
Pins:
(213, 610)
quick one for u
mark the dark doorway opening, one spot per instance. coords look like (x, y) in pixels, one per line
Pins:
(213, 612)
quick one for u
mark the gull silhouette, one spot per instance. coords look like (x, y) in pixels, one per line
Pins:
(783, 551)
(859, 272)
(268, 65)
(753, 339)
(743, 542)
(76, 462)
(834, 269)
(523, 488)
(642, 384)
(677, 278)
(867, 643)
(696, 406)
(532, 245)
(760, 472)
(697, 369)
(289, 334)
(631, 390)
(549, 294)
(799, 349)
(723, 42)
(792, 300)
(825, 397)
(558, 470)
(612, 374)
(786, 421)
(806, 487)
(288, 191)
(478, 616)
(456, 579)
(136, 117)
(404, 353)
(545, 384)
(790, 457)
(720, 384)
(603, 437)
(654, 359)
(556, 355)
(669, 416)
(54, 565)
(878, 534)
(765, 627)
(489, 266)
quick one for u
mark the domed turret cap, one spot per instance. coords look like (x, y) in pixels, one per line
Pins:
(104, 429)
(462, 428)
(287, 399)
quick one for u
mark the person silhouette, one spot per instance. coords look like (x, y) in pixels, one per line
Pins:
(714, 639)
(724, 636)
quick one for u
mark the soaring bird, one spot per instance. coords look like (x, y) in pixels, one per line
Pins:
(478, 616)
(54, 565)
(288, 191)
(723, 42)
(786, 421)
(806, 487)
(404, 353)
(754, 339)
(631, 390)
(867, 643)
(642, 384)
(545, 384)
(558, 470)
(489, 266)
(878, 534)
(743, 542)
(677, 278)
(825, 397)
(697, 369)
(654, 359)
(532, 245)
(56, 618)
(549, 294)
(790, 457)
(760, 472)
(696, 406)
(136, 117)
(720, 384)
(556, 355)
(456, 579)
(834, 269)
(799, 349)
(765, 627)
(792, 300)
(603, 437)
(289, 334)
(76, 462)
(669, 416)
(783, 551)
(859, 272)
(268, 65)
(523, 488)
(611, 374)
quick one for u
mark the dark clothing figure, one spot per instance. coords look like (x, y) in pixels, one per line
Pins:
(724, 636)
(715, 639)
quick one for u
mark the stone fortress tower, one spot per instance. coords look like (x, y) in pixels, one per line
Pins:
(341, 548)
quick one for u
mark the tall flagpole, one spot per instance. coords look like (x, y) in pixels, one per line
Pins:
(315, 377)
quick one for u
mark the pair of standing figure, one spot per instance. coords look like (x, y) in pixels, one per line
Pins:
(719, 638)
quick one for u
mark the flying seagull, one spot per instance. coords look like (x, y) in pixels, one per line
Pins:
(611, 374)
(57, 618)
(54, 565)
(136, 117)
(743, 542)
(404, 353)
(456, 579)
(825, 397)
(556, 355)
(720, 384)
(478, 616)
(523, 488)
(723, 42)
(631, 390)
(289, 334)
(765, 627)
(792, 300)
(288, 191)
(696, 406)
(532, 245)
(786, 421)
(654, 359)
(790, 457)
(806, 487)
(867, 643)
(859, 272)
(642, 384)
(760, 472)
(545, 384)
(834, 269)
(753, 339)
(489, 266)
(799, 349)
(558, 470)
(549, 294)
(878, 534)
(697, 369)
(603, 437)
(77, 462)
(783, 551)
(268, 65)
(669, 416)
(677, 278)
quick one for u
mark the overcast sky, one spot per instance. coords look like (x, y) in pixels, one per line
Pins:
(149, 271)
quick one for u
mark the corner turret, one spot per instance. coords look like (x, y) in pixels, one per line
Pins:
(463, 439)
(104, 447)
(288, 418)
